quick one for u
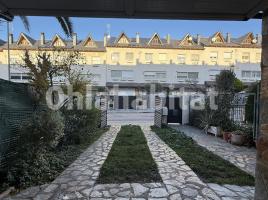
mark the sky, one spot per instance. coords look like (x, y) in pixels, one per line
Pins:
(96, 27)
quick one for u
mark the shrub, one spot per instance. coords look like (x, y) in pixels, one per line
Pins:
(45, 128)
(38, 138)
(78, 123)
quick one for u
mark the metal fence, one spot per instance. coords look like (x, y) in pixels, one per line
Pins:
(15, 109)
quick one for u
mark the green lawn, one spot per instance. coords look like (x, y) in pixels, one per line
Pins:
(208, 166)
(130, 159)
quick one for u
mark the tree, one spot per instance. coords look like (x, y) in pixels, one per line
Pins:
(44, 67)
(225, 85)
(65, 22)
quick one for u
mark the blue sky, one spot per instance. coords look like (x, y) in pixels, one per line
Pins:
(97, 27)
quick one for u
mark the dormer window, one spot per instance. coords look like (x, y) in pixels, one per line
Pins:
(89, 42)
(186, 41)
(122, 40)
(155, 40)
(217, 38)
(58, 42)
(24, 40)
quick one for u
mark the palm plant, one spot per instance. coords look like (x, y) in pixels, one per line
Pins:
(65, 23)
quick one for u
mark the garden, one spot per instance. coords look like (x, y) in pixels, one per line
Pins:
(48, 140)
(235, 118)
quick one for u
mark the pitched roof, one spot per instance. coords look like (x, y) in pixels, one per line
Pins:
(30, 40)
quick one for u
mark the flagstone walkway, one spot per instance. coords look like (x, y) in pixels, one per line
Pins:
(179, 181)
(242, 157)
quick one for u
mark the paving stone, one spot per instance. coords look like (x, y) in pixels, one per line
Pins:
(158, 192)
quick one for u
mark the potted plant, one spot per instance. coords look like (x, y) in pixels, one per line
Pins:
(238, 137)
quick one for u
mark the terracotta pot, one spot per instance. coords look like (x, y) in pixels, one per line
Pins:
(238, 139)
(227, 136)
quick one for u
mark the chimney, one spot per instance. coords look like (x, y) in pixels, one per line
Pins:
(259, 38)
(168, 39)
(10, 38)
(198, 39)
(42, 38)
(105, 40)
(228, 38)
(137, 38)
(74, 39)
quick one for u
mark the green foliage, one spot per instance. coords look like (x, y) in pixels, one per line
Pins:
(79, 123)
(225, 85)
(207, 165)
(45, 129)
(238, 85)
(250, 103)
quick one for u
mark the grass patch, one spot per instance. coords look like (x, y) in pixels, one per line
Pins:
(130, 159)
(208, 166)
(58, 160)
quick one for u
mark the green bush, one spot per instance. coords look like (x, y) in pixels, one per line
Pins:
(45, 128)
(38, 138)
(78, 123)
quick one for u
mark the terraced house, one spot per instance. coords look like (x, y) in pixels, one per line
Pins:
(133, 62)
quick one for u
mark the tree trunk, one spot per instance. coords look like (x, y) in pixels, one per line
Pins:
(261, 190)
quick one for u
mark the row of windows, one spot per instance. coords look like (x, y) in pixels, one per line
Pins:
(124, 75)
(181, 58)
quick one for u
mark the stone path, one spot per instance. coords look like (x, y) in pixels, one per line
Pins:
(242, 157)
(77, 181)
(179, 181)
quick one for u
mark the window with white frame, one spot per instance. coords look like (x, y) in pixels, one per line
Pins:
(163, 57)
(258, 57)
(122, 75)
(148, 57)
(155, 75)
(181, 59)
(129, 56)
(115, 57)
(227, 56)
(96, 60)
(245, 57)
(251, 74)
(195, 59)
(187, 76)
(213, 57)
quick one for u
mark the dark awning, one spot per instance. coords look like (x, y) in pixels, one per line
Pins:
(161, 9)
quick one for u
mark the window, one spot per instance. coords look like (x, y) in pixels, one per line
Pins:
(258, 57)
(181, 59)
(148, 57)
(246, 57)
(96, 60)
(155, 75)
(213, 56)
(19, 76)
(163, 57)
(251, 74)
(122, 75)
(187, 76)
(129, 57)
(195, 59)
(227, 55)
(115, 57)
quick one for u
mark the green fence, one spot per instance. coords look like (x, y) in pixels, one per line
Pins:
(15, 108)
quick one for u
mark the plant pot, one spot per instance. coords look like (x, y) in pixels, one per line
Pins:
(227, 136)
(215, 130)
(238, 139)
